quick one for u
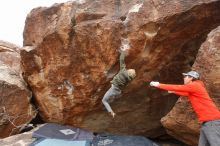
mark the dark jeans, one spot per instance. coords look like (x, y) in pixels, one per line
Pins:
(210, 134)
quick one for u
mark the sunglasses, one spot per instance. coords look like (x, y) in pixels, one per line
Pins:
(187, 76)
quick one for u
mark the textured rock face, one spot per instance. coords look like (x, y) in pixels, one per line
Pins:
(9, 55)
(24, 139)
(15, 107)
(72, 56)
(181, 122)
(207, 62)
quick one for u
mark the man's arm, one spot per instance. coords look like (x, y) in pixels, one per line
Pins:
(180, 93)
(175, 88)
(122, 60)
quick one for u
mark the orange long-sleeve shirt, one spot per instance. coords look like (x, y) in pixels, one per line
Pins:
(202, 104)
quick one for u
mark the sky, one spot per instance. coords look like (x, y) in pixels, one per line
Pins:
(13, 14)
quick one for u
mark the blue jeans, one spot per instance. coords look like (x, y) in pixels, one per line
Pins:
(210, 134)
(109, 96)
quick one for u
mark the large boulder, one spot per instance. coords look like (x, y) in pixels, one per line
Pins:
(24, 139)
(10, 55)
(182, 122)
(15, 107)
(70, 54)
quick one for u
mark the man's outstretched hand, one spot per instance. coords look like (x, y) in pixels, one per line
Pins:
(154, 84)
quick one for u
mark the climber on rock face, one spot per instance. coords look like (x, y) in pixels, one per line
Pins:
(205, 109)
(120, 80)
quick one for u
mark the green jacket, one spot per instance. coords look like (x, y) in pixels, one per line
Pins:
(121, 79)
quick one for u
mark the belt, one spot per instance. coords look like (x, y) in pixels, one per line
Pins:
(209, 121)
(204, 122)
